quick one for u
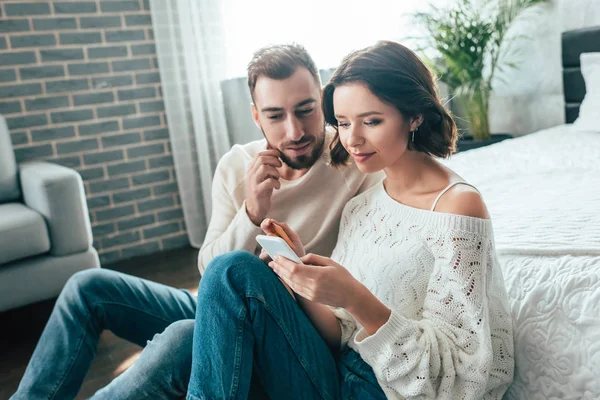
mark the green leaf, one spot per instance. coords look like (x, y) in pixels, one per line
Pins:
(467, 36)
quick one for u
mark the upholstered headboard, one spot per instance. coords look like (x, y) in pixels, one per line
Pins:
(573, 44)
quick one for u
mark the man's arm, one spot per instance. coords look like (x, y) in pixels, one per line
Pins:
(233, 228)
(229, 228)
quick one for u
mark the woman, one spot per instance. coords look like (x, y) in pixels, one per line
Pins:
(411, 303)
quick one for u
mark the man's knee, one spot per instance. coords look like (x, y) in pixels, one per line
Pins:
(173, 347)
(89, 284)
(179, 335)
(163, 369)
(88, 281)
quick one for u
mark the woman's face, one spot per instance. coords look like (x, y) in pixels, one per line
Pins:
(374, 133)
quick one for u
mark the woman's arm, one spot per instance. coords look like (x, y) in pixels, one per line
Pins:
(322, 318)
(324, 321)
(332, 298)
(368, 311)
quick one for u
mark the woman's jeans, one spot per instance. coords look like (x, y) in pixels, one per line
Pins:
(249, 327)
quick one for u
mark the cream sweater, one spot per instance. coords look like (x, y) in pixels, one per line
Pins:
(311, 205)
(449, 335)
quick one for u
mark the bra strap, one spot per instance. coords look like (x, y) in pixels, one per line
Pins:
(450, 186)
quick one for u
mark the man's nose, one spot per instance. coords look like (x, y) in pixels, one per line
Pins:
(293, 129)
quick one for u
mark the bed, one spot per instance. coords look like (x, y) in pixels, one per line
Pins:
(543, 193)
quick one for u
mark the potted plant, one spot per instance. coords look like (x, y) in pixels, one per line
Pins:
(466, 45)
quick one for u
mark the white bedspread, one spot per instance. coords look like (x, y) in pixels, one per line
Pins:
(543, 193)
(542, 190)
(555, 305)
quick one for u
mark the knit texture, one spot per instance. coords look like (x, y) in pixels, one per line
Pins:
(449, 335)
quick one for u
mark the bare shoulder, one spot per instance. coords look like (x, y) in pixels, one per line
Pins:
(463, 200)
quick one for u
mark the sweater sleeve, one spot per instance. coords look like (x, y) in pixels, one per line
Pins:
(448, 353)
(347, 324)
(229, 228)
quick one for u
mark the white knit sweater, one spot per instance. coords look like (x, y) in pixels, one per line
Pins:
(449, 335)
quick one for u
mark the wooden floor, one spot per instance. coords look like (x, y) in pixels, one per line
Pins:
(21, 328)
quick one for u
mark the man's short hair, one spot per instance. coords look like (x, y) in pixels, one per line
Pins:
(279, 62)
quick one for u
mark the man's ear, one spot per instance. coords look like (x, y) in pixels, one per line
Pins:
(255, 115)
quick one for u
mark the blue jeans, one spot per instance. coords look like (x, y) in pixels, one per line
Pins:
(149, 314)
(255, 330)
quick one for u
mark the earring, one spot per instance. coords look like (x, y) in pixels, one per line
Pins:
(413, 133)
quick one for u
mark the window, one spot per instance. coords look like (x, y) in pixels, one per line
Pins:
(329, 29)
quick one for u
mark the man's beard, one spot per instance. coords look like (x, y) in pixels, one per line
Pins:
(306, 160)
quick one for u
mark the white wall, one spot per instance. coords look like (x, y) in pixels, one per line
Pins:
(533, 98)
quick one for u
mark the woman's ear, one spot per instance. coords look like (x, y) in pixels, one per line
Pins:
(415, 122)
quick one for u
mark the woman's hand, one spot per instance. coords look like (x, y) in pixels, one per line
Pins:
(319, 279)
(266, 259)
(264, 256)
(267, 227)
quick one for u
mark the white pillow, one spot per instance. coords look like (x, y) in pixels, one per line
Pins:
(589, 112)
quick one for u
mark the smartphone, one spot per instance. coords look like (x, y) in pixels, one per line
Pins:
(276, 246)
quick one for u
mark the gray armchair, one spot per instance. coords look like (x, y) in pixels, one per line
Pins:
(45, 233)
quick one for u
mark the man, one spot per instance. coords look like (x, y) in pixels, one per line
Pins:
(285, 177)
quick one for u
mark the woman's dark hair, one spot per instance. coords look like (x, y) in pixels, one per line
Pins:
(397, 77)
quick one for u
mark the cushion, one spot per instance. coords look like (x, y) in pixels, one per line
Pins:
(589, 113)
(23, 233)
(9, 185)
(40, 278)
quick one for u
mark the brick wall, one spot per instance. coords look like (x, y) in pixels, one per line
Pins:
(79, 86)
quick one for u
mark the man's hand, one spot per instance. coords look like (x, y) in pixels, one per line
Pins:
(261, 179)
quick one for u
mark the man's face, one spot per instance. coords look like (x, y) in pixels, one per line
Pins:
(289, 114)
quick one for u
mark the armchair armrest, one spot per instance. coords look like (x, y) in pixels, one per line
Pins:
(57, 193)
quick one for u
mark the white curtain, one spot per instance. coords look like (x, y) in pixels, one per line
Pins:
(190, 43)
(200, 43)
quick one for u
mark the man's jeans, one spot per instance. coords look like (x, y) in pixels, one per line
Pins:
(256, 330)
(133, 309)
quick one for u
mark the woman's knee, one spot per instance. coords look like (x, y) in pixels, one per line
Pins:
(237, 262)
(235, 267)
(233, 258)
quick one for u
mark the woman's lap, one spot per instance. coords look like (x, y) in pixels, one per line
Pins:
(287, 353)
(357, 379)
